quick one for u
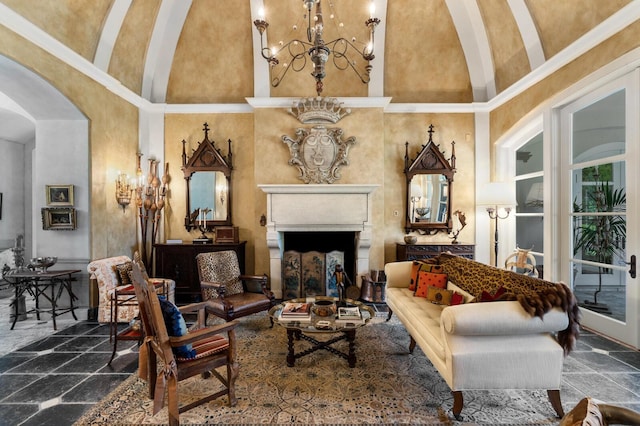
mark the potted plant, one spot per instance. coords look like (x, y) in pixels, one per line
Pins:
(601, 237)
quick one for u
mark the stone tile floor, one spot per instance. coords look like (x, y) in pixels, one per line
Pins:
(52, 377)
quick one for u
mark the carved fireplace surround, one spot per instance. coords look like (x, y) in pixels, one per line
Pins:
(317, 208)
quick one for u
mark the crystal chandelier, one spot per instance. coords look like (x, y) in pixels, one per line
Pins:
(293, 54)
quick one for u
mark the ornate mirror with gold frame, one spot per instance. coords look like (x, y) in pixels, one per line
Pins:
(429, 188)
(208, 176)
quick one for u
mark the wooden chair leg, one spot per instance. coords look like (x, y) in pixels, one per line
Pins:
(458, 402)
(152, 371)
(174, 411)
(554, 399)
(412, 344)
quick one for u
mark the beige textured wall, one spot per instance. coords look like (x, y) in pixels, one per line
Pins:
(113, 139)
(507, 115)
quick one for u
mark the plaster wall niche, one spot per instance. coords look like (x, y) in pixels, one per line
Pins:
(317, 208)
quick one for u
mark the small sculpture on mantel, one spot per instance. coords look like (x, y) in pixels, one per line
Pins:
(461, 220)
(342, 283)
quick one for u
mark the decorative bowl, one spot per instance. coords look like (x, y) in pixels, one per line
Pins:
(410, 239)
(42, 263)
(324, 308)
(422, 211)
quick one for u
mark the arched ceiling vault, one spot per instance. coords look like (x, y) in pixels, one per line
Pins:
(203, 52)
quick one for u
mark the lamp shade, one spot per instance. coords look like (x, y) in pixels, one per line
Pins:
(500, 194)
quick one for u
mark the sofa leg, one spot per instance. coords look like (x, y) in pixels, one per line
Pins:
(554, 399)
(389, 315)
(457, 404)
(412, 344)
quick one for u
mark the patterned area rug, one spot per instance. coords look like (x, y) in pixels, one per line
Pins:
(388, 385)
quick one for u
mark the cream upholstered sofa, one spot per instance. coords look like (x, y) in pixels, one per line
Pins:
(106, 273)
(493, 345)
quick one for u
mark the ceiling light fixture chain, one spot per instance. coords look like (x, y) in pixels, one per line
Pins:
(294, 53)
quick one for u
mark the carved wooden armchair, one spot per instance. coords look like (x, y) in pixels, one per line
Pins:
(184, 353)
(229, 294)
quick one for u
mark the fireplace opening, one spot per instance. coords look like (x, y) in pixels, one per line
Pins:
(332, 247)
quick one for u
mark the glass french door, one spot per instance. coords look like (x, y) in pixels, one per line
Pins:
(599, 184)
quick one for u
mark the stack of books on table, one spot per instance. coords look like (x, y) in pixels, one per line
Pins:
(349, 315)
(292, 312)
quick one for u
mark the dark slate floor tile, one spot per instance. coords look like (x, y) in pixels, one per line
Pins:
(107, 346)
(86, 363)
(599, 342)
(629, 381)
(127, 363)
(10, 383)
(79, 329)
(600, 387)
(61, 414)
(14, 414)
(46, 343)
(99, 330)
(80, 344)
(14, 359)
(45, 363)
(630, 357)
(49, 387)
(602, 362)
(574, 365)
(94, 388)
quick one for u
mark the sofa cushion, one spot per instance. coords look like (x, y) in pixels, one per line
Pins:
(417, 267)
(439, 296)
(428, 279)
(123, 272)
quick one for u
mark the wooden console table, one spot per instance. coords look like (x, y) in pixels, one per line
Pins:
(425, 251)
(178, 262)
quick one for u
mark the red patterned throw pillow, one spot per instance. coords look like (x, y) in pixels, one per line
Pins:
(419, 266)
(429, 279)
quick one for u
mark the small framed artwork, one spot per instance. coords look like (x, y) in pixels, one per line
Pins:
(59, 219)
(60, 195)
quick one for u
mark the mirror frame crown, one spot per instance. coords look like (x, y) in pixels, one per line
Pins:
(206, 158)
(429, 161)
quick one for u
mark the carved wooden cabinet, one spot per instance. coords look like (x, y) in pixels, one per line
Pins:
(425, 251)
(178, 262)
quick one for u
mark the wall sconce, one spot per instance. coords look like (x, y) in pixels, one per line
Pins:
(124, 190)
(497, 195)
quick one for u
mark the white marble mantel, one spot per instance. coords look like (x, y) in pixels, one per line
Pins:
(323, 207)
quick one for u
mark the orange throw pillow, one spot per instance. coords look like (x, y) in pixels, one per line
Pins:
(421, 266)
(439, 296)
(428, 279)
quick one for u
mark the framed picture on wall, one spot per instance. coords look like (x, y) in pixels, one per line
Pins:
(59, 219)
(60, 195)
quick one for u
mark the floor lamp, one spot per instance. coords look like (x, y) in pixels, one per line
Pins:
(497, 196)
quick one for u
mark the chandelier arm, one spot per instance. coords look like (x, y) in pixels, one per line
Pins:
(341, 59)
(295, 58)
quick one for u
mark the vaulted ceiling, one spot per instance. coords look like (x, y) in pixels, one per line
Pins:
(208, 51)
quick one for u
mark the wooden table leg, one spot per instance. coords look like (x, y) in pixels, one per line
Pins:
(291, 359)
(351, 338)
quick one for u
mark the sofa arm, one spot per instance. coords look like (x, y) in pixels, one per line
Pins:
(398, 274)
(499, 319)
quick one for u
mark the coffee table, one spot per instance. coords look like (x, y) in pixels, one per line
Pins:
(297, 330)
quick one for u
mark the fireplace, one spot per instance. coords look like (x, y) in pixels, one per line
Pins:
(318, 209)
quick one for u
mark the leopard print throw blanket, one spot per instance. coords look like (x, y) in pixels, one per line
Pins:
(536, 296)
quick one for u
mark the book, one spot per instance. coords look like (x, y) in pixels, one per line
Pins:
(349, 313)
(296, 310)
